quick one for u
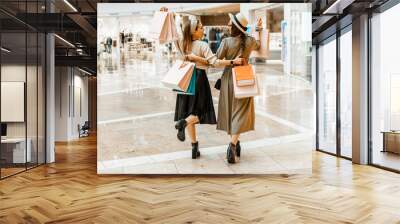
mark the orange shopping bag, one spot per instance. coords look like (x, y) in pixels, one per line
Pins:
(244, 75)
(244, 91)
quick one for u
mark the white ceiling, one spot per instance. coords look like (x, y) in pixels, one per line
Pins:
(124, 9)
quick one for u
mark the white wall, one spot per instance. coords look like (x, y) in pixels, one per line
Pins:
(70, 83)
(12, 73)
(62, 81)
(247, 8)
(33, 125)
(79, 117)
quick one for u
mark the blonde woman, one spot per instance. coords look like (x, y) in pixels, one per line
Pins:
(199, 108)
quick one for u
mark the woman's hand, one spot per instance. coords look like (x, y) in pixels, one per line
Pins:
(239, 61)
(197, 59)
(184, 63)
(190, 57)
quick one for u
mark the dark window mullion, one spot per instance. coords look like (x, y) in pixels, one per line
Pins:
(0, 94)
(37, 90)
(338, 98)
(369, 90)
(26, 87)
(317, 94)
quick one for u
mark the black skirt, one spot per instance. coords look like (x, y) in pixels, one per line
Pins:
(200, 104)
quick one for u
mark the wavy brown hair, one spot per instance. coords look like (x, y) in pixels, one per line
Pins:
(236, 32)
(187, 37)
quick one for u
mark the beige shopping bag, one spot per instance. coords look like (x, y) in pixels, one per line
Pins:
(245, 91)
(157, 24)
(162, 27)
(178, 77)
(171, 33)
(263, 52)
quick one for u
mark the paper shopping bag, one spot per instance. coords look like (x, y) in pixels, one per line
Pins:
(191, 90)
(178, 77)
(244, 75)
(163, 27)
(172, 33)
(244, 91)
(263, 51)
(157, 24)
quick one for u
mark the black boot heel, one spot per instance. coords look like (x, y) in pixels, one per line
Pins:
(181, 125)
(238, 148)
(181, 135)
(231, 153)
(195, 150)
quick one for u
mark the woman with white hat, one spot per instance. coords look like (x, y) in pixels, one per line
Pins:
(191, 110)
(235, 116)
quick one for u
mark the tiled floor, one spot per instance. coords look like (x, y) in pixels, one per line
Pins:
(136, 132)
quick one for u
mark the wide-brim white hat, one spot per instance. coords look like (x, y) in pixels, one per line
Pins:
(239, 21)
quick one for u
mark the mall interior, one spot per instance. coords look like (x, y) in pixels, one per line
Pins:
(131, 95)
(329, 91)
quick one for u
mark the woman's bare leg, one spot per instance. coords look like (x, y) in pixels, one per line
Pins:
(192, 132)
(235, 139)
(192, 119)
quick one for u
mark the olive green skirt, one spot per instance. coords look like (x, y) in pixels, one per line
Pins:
(235, 116)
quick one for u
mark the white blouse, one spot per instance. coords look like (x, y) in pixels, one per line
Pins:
(201, 49)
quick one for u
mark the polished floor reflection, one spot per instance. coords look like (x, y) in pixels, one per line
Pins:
(136, 130)
(387, 159)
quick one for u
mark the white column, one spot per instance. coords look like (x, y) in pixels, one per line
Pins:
(63, 102)
(314, 68)
(287, 68)
(50, 98)
(360, 90)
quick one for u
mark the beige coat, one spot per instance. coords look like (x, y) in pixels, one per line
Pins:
(235, 116)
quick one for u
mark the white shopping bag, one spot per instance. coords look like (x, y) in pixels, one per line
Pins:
(178, 77)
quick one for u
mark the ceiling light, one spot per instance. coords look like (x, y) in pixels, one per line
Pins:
(65, 41)
(86, 72)
(338, 6)
(5, 50)
(70, 5)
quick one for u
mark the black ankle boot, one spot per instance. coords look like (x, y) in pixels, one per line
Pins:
(181, 125)
(231, 153)
(195, 150)
(238, 148)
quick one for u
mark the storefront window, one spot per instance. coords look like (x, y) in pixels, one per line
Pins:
(346, 93)
(22, 93)
(296, 40)
(385, 114)
(327, 96)
(13, 86)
